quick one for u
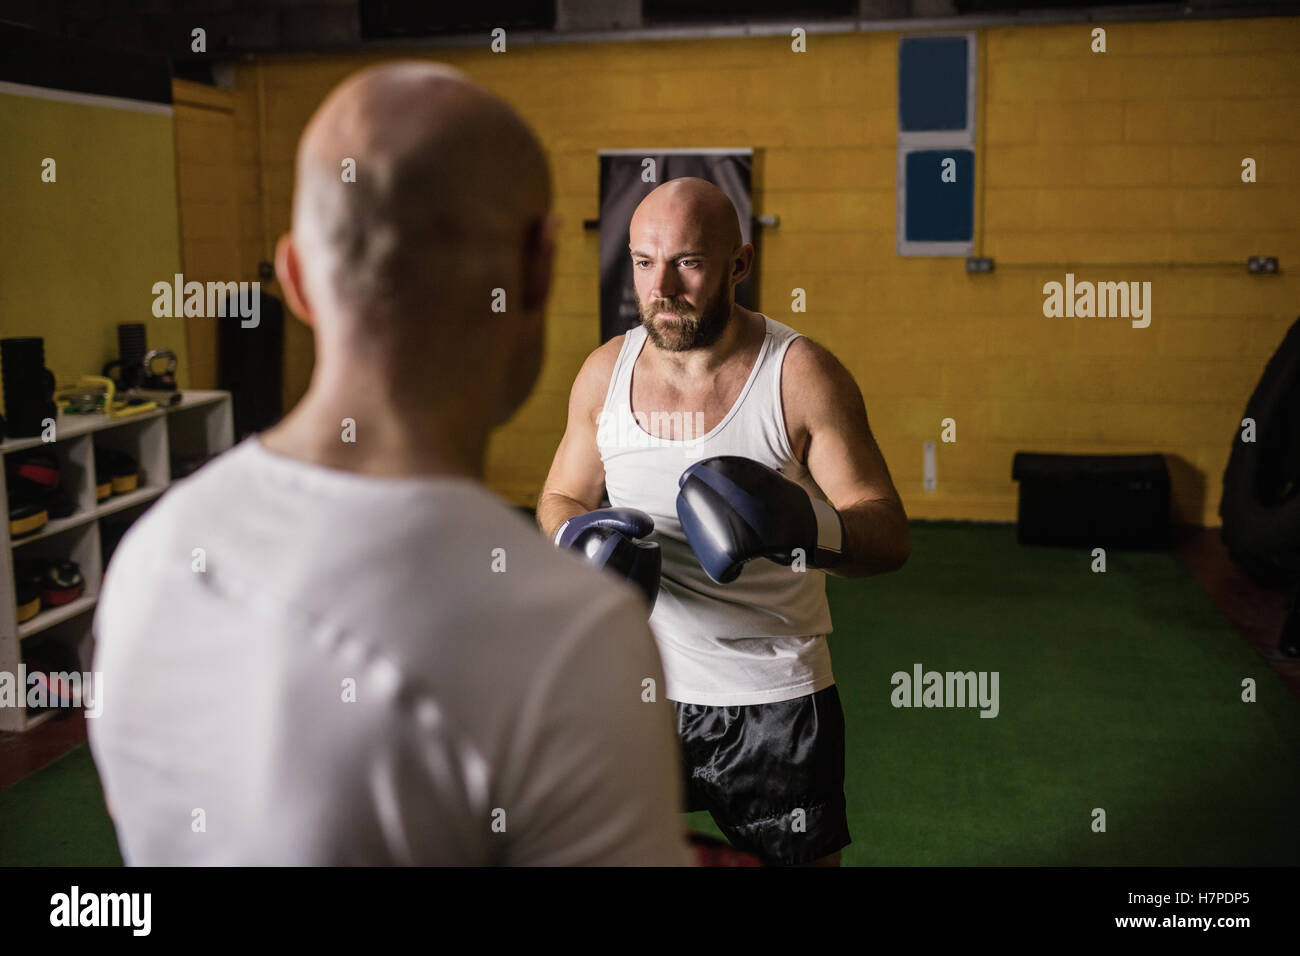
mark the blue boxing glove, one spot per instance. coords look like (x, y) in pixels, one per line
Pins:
(733, 510)
(607, 538)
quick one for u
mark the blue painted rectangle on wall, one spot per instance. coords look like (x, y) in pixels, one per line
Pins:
(939, 211)
(932, 83)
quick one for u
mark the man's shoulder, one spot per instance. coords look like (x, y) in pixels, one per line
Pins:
(537, 573)
(599, 365)
(526, 603)
(811, 370)
(511, 568)
(223, 472)
(197, 497)
(592, 382)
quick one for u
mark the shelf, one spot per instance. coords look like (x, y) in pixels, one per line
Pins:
(110, 505)
(200, 426)
(193, 397)
(70, 426)
(42, 717)
(55, 527)
(55, 615)
(122, 502)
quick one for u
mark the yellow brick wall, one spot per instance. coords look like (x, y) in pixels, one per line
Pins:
(209, 216)
(1123, 166)
(80, 255)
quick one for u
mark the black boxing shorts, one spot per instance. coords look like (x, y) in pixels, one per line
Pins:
(770, 775)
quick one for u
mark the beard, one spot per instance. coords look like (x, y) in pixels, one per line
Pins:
(692, 329)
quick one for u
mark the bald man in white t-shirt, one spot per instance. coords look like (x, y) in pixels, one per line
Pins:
(333, 645)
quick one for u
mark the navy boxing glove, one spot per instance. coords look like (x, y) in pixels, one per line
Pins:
(733, 510)
(607, 539)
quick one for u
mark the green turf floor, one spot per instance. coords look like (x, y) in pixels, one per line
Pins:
(56, 817)
(1119, 691)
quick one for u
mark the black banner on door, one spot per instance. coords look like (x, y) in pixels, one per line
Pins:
(622, 189)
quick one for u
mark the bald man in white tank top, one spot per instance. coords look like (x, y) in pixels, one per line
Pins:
(746, 662)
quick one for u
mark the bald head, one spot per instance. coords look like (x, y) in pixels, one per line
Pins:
(413, 187)
(692, 206)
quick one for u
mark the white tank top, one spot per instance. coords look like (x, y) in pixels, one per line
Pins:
(761, 638)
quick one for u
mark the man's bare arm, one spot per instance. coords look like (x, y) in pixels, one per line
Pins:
(824, 403)
(576, 481)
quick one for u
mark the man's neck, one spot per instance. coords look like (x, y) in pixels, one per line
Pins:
(384, 441)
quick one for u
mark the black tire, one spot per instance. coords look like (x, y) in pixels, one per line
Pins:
(1260, 507)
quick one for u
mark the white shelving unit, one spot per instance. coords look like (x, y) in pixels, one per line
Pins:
(201, 425)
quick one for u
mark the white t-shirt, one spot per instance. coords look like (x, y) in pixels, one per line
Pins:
(340, 676)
